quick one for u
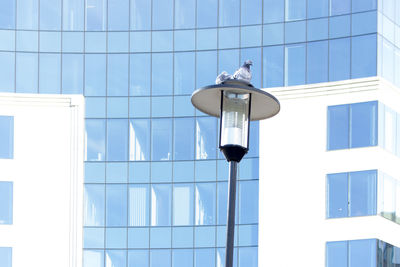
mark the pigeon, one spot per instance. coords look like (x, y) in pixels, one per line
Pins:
(244, 73)
(224, 76)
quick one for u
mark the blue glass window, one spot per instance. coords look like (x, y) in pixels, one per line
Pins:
(206, 39)
(363, 121)
(222, 195)
(162, 41)
(274, 11)
(363, 5)
(7, 14)
(248, 257)
(362, 193)
(116, 172)
(207, 13)
(251, 12)
(160, 237)
(184, 40)
(117, 140)
(94, 205)
(93, 258)
(229, 12)
(96, 15)
(50, 15)
(7, 72)
(72, 42)
(6, 257)
(183, 204)
(295, 32)
(273, 62)
(250, 36)
(182, 258)
(93, 238)
(185, 14)
(273, 34)
(95, 140)
(205, 170)
(162, 14)
(116, 237)
(50, 41)
(205, 204)
(95, 107)
(339, 59)
(139, 107)
(338, 7)
(94, 172)
(27, 41)
(138, 258)
(161, 139)
(204, 257)
(295, 9)
(140, 69)
(8, 39)
(248, 202)
(336, 254)
(161, 106)
(338, 127)
(295, 64)
(317, 62)
(73, 15)
(117, 75)
(6, 137)
(204, 236)
(117, 107)
(317, 29)
(228, 38)
(27, 14)
(27, 73)
(228, 60)
(206, 68)
(95, 75)
(183, 139)
(72, 74)
(248, 235)
(161, 74)
(161, 200)
(363, 56)
(206, 138)
(95, 42)
(139, 139)
(6, 202)
(183, 171)
(317, 8)
(139, 205)
(183, 106)
(116, 205)
(363, 23)
(118, 42)
(115, 258)
(339, 26)
(337, 206)
(138, 237)
(160, 257)
(182, 237)
(118, 15)
(362, 253)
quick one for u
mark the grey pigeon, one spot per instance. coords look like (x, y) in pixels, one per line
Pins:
(244, 73)
(224, 76)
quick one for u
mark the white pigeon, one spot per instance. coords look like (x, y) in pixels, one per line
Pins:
(224, 76)
(244, 73)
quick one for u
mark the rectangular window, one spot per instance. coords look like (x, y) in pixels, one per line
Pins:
(352, 194)
(5, 257)
(6, 203)
(356, 253)
(6, 137)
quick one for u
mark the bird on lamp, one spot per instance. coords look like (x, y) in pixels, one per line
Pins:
(242, 74)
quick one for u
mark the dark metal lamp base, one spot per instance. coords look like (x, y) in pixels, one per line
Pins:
(234, 152)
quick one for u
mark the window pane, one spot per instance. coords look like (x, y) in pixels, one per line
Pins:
(338, 127)
(206, 138)
(295, 32)
(295, 9)
(95, 75)
(94, 205)
(49, 73)
(7, 14)
(317, 62)
(317, 8)
(162, 14)
(73, 15)
(363, 56)
(116, 201)
(139, 139)
(337, 195)
(93, 237)
(295, 64)
(96, 15)
(93, 258)
(251, 12)
(363, 121)
(138, 237)
(362, 253)
(160, 257)
(389, 197)
(362, 193)
(363, 5)
(117, 140)
(183, 204)
(7, 72)
(274, 11)
(72, 76)
(337, 7)
(6, 202)
(6, 137)
(161, 139)
(162, 41)
(204, 257)
(248, 202)
(116, 237)
(184, 139)
(182, 258)
(339, 59)
(95, 140)
(138, 258)
(115, 258)
(27, 14)
(139, 205)
(273, 66)
(207, 13)
(6, 256)
(161, 204)
(317, 29)
(229, 12)
(140, 74)
(205, 204)
(248, 257)
(161, 74)
(160, 237)
(117, 75)
(206, 68)
(390, 130)
(118, 15)
(336, 254)
(185, 14)
(95, 107)
(50, 15)
(27, 73)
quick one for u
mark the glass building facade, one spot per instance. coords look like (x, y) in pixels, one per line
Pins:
(155, 183)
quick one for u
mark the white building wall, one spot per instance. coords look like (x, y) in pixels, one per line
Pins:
(294, 162)
(47, 176)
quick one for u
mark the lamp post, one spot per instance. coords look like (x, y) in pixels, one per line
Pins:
(237, 103)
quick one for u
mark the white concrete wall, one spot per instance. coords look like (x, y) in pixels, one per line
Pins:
(47, 176)
(294, 163)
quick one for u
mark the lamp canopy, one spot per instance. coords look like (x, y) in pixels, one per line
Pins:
(208, 99)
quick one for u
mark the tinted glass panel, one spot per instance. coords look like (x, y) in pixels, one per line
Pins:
(273, 62)
(336, 254)
(138, 258)
(139, 139)
(72, 76)
(207, 13)
(27, 14)
(139, 205)
(49, 73)
(95, 75)
(93, 258)
(338, 127)
(95, 140)
(118, 15)
(6, 202)
(73, 15)
(185, 15)
(140, 15)
(295, 9)
(317, 8)
(50, 14)
(6, 137)
(7, 14)
(184, 139)
(94, 205)
(182, 258)
(363, 56)
(339, 59)
(337, 195)
(206, 138)
(116, 205)
(337, 7)
(161, 139)
(6, 256)
(161, 200)
(96, 15)
(229, 11)
(162, 14)
(162, 74)
(274, 11)
(317, 62)
(27, 73)
(117, 75)
(362, 187)
(362, 253)
(363, 121)
(295, 64)
(248, 202)
(117, 140)
(140, 69)
(7, 72)
(205, 204)
(183, 204)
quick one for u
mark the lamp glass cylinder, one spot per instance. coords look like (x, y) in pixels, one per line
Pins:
(235, 119)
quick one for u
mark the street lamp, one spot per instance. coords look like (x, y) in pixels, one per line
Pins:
(237, 103)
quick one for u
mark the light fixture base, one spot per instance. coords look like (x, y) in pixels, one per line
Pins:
(233, 152)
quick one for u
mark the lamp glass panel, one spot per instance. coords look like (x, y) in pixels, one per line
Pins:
(235, 119)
